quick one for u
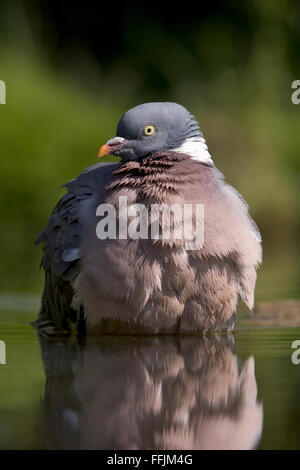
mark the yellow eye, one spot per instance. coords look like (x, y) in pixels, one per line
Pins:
(149, 130)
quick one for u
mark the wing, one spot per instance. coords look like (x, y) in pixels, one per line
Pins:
(61, 241)
(249, 252)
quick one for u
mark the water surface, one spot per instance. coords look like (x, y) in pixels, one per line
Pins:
(238, 391)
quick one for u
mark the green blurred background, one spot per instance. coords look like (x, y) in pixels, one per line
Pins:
(71, 71)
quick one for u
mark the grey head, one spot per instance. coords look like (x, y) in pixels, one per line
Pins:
(149, 128)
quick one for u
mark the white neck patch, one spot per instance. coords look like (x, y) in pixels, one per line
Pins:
(197, 149)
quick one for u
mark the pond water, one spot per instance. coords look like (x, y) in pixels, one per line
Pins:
(237, 391)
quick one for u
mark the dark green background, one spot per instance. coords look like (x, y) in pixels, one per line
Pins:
(71, 71)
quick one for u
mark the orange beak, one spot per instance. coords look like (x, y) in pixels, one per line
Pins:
(111, 146)
(103, 150)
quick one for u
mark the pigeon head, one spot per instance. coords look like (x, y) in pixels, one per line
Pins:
(150, 128)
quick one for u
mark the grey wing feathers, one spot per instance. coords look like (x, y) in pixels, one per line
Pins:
(61, 241)
(61, 245)
(61, 237)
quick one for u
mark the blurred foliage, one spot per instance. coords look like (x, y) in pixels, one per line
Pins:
(72, 71)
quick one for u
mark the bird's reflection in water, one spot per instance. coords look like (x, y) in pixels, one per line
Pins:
(149, 393)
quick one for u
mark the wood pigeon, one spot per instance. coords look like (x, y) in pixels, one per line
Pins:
(139, 283)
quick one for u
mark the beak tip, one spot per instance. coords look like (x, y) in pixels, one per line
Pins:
(112, 144)
(104, 150)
